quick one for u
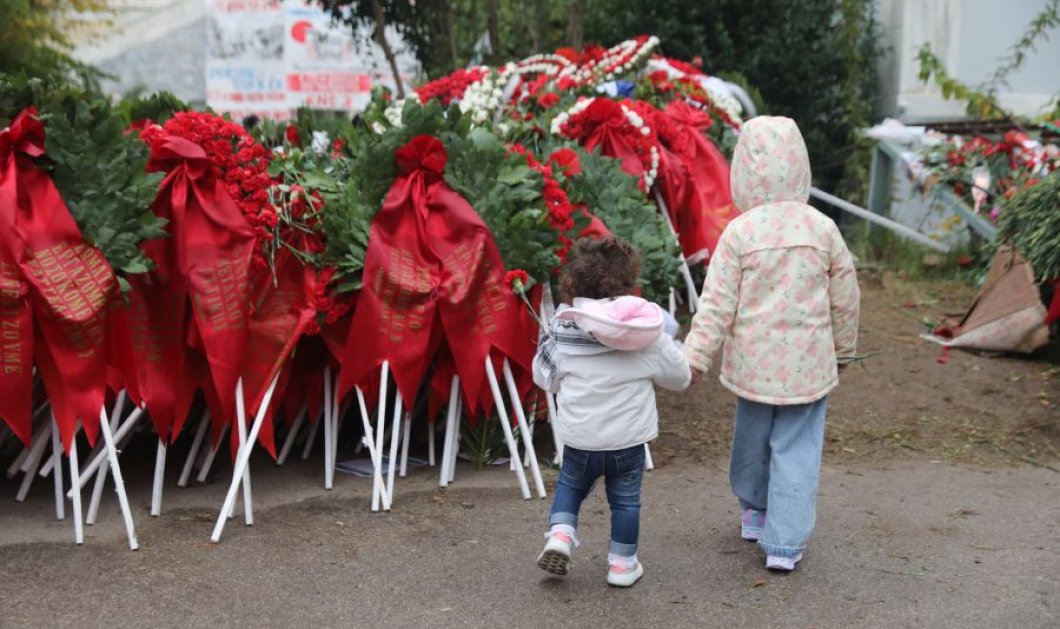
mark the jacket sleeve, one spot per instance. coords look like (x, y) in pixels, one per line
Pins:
(717, 304)
(671, 365)
(845, 298)
(545, 369)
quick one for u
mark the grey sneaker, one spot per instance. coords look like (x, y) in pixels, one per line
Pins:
(752, 524)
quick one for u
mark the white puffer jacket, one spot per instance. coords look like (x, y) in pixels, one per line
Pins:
(606, 396)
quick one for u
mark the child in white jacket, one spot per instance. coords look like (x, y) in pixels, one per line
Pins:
(782, 295)
(603, 355)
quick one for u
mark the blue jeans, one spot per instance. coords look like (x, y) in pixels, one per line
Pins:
(623, 471)
(776, 466)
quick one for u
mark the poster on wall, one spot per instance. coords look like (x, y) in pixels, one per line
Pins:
(245, 58)
(270, 57)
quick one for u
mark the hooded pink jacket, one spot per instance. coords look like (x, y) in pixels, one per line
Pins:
(781, 292)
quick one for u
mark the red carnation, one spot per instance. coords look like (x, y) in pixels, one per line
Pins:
(565, 160)
(292, 136)
(517, 279)
(547, 100)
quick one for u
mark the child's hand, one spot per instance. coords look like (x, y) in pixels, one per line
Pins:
(696, 376)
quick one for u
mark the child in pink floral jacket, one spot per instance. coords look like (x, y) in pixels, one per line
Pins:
(782, 296)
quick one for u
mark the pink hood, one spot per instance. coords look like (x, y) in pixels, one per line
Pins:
(625, 323)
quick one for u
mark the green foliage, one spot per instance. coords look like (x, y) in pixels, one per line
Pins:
(100, 173)
(99, 170)
(35, 39)
(1031, 223)
(374, 154)
(506, 193)
(981, 100)
(157, 107)
(483, 440)
(346, 221)
(613, 196)
(882, 249)
(443, 35)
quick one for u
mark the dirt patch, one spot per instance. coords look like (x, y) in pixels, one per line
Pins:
(913, 399)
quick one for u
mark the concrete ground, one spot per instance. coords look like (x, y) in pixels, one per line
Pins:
(916, 543)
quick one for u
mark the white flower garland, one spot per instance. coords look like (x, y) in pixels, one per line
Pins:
(393, 112)
(618, 59)
(483, 97)
(720, 96)
(639, 124)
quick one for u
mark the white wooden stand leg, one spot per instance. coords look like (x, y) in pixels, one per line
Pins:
(75, 471)
(311, 439)
(329, 430)
(456, 439)
(450, 427)
(49, 463)
(33, 461)
(97, 493)
(57, 448)
(119, 482)
(406, 430)
(524, 429)
(98, 452)
(430, 442)
(506, 426)
(649, 464)
(40, 436)
(376, 455)
(292, 434)
(242, 458)
(193, 454)
(118, 435)
(336, 423)
(160, 475)
(395, 434)
(380, 422)
(104, 468)
(23, 455)
(204, 471)
(673, 303)
(244, 444)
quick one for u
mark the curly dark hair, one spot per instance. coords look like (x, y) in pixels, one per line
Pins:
(600, 268)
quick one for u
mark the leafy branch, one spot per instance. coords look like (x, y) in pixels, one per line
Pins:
(981, 101)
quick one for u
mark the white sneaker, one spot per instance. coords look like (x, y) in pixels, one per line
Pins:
(785, 564)
(620, 576)
(555, 558)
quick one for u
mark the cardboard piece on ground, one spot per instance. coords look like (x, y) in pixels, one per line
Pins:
(1008, 315)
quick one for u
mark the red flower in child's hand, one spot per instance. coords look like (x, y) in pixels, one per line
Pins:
(517, 279)
(292, 136)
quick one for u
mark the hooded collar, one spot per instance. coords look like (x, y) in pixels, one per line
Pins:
(770, 164)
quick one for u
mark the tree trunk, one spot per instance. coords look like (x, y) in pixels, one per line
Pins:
(575, 19)
(532, 28)
(380, 38)
(493, 26)
(540, 27)
(451, 30)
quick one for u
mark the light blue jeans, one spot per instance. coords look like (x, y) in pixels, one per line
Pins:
(776, 466)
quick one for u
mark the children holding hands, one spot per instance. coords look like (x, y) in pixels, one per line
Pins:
(781, 297)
